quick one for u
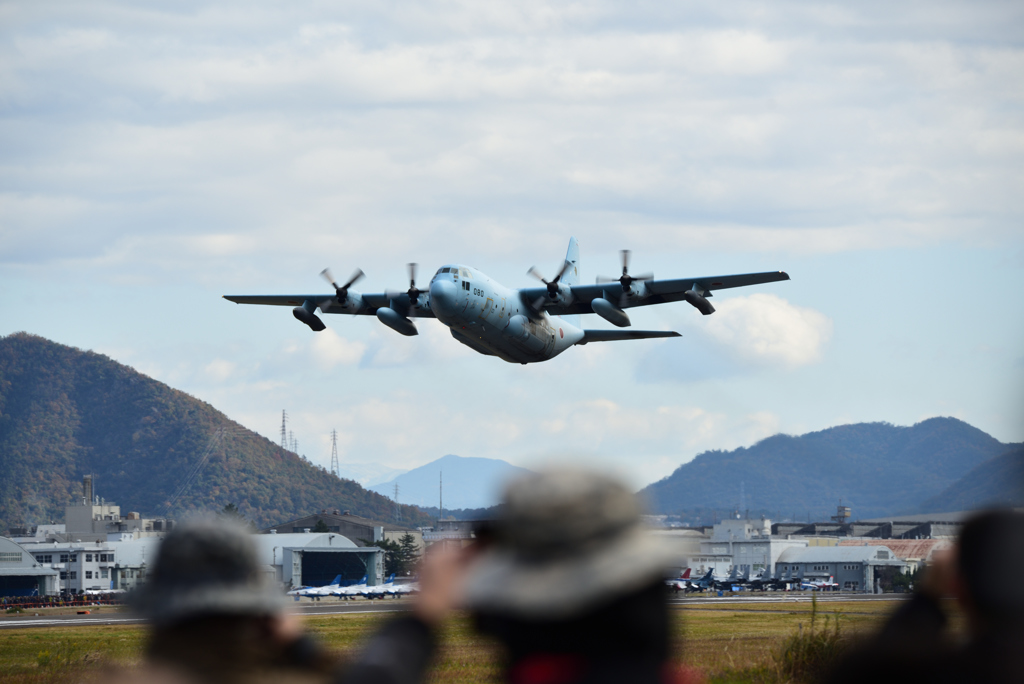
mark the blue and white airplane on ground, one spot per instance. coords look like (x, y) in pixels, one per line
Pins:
(314, 592)
(525, 325)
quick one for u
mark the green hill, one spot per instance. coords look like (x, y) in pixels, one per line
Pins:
(876, 468)
(65, 413)
(996, 482)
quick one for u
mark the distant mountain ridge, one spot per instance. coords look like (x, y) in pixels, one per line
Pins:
(469, 482)
(996, 482)
(65, 413)
(875, 468)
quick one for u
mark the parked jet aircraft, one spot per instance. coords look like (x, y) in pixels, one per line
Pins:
(314, 592)
(526, 325)
(708, 581)
(681, 583)
(763, 581)
(820, 584)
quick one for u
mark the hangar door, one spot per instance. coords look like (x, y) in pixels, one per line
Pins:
(320, 567)
(19, 585)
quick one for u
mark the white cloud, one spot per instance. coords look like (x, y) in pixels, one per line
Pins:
(763, 328)
(330, 349)
(219, 370)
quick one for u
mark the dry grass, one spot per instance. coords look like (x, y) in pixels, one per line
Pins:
(736, 642)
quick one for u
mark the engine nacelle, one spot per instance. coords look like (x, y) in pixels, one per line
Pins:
(609, 312)
(524, 334)
(305, 314)
(396, 321)
(699, 302)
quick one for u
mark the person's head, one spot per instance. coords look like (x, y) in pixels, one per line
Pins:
(570, 570)
(208, 601)
(206, 567)
(991, 553)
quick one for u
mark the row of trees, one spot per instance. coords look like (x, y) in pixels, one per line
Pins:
(400, 557)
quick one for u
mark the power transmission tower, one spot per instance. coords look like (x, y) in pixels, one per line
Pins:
(398, 509)
(284, 429)
(335, 467)
(295, 444)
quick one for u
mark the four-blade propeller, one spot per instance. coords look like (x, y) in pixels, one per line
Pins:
(626, 280)
(552, 285)
(341, 291)
(413, 291)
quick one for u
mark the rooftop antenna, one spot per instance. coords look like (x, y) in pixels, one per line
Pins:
(284, 429)
(335, 468)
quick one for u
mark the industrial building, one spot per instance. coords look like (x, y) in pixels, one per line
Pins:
(853, 568)
(913, 552)
(21, 574)
(360, 530)
(78, 567)
(926, 526)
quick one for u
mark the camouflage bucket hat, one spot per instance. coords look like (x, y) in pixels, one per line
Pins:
(206, 567)
(568, 541)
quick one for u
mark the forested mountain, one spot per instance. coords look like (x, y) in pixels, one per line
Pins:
(65, 413)
(996, 482)
(875, 468)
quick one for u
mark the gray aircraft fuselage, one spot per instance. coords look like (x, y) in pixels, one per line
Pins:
(492, 319)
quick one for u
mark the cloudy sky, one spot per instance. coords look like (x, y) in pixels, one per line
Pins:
(156, 156)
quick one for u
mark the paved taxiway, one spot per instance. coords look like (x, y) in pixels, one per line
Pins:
(395, 605)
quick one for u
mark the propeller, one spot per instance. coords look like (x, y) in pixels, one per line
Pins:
(552, 285)
(413, 292)
(626, 280)
(341, 291)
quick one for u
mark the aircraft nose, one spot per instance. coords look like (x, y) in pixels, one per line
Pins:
(443, 294)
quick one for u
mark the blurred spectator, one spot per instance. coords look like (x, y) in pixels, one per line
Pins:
(572, 586)
(983, 574)
(216, 618)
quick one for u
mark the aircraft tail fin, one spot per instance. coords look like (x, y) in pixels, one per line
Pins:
(685, 575)
(336, 581)
(391, 578)
(572, 275)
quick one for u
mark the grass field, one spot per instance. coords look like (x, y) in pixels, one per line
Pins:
(737, 642)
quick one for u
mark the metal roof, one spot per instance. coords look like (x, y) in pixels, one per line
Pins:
(135, 552)
(836, 554)
(907, 549)
(954, 517)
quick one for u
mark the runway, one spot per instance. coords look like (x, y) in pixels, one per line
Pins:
(318, 608)
(29, 620)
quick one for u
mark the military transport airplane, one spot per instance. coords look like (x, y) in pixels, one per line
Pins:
(524, 325)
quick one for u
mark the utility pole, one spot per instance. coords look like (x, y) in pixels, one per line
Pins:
(398, 509)
(284, 429)
(440, 484)
(335, 468)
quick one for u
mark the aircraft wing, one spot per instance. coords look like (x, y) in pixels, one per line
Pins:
(328, 303)
(661, 291)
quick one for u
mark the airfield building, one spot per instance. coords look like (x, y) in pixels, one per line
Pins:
(748, 544)
(22, 575)
(362, 531)
(853, 568)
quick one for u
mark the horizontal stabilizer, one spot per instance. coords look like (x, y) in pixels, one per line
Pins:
(614, 335)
